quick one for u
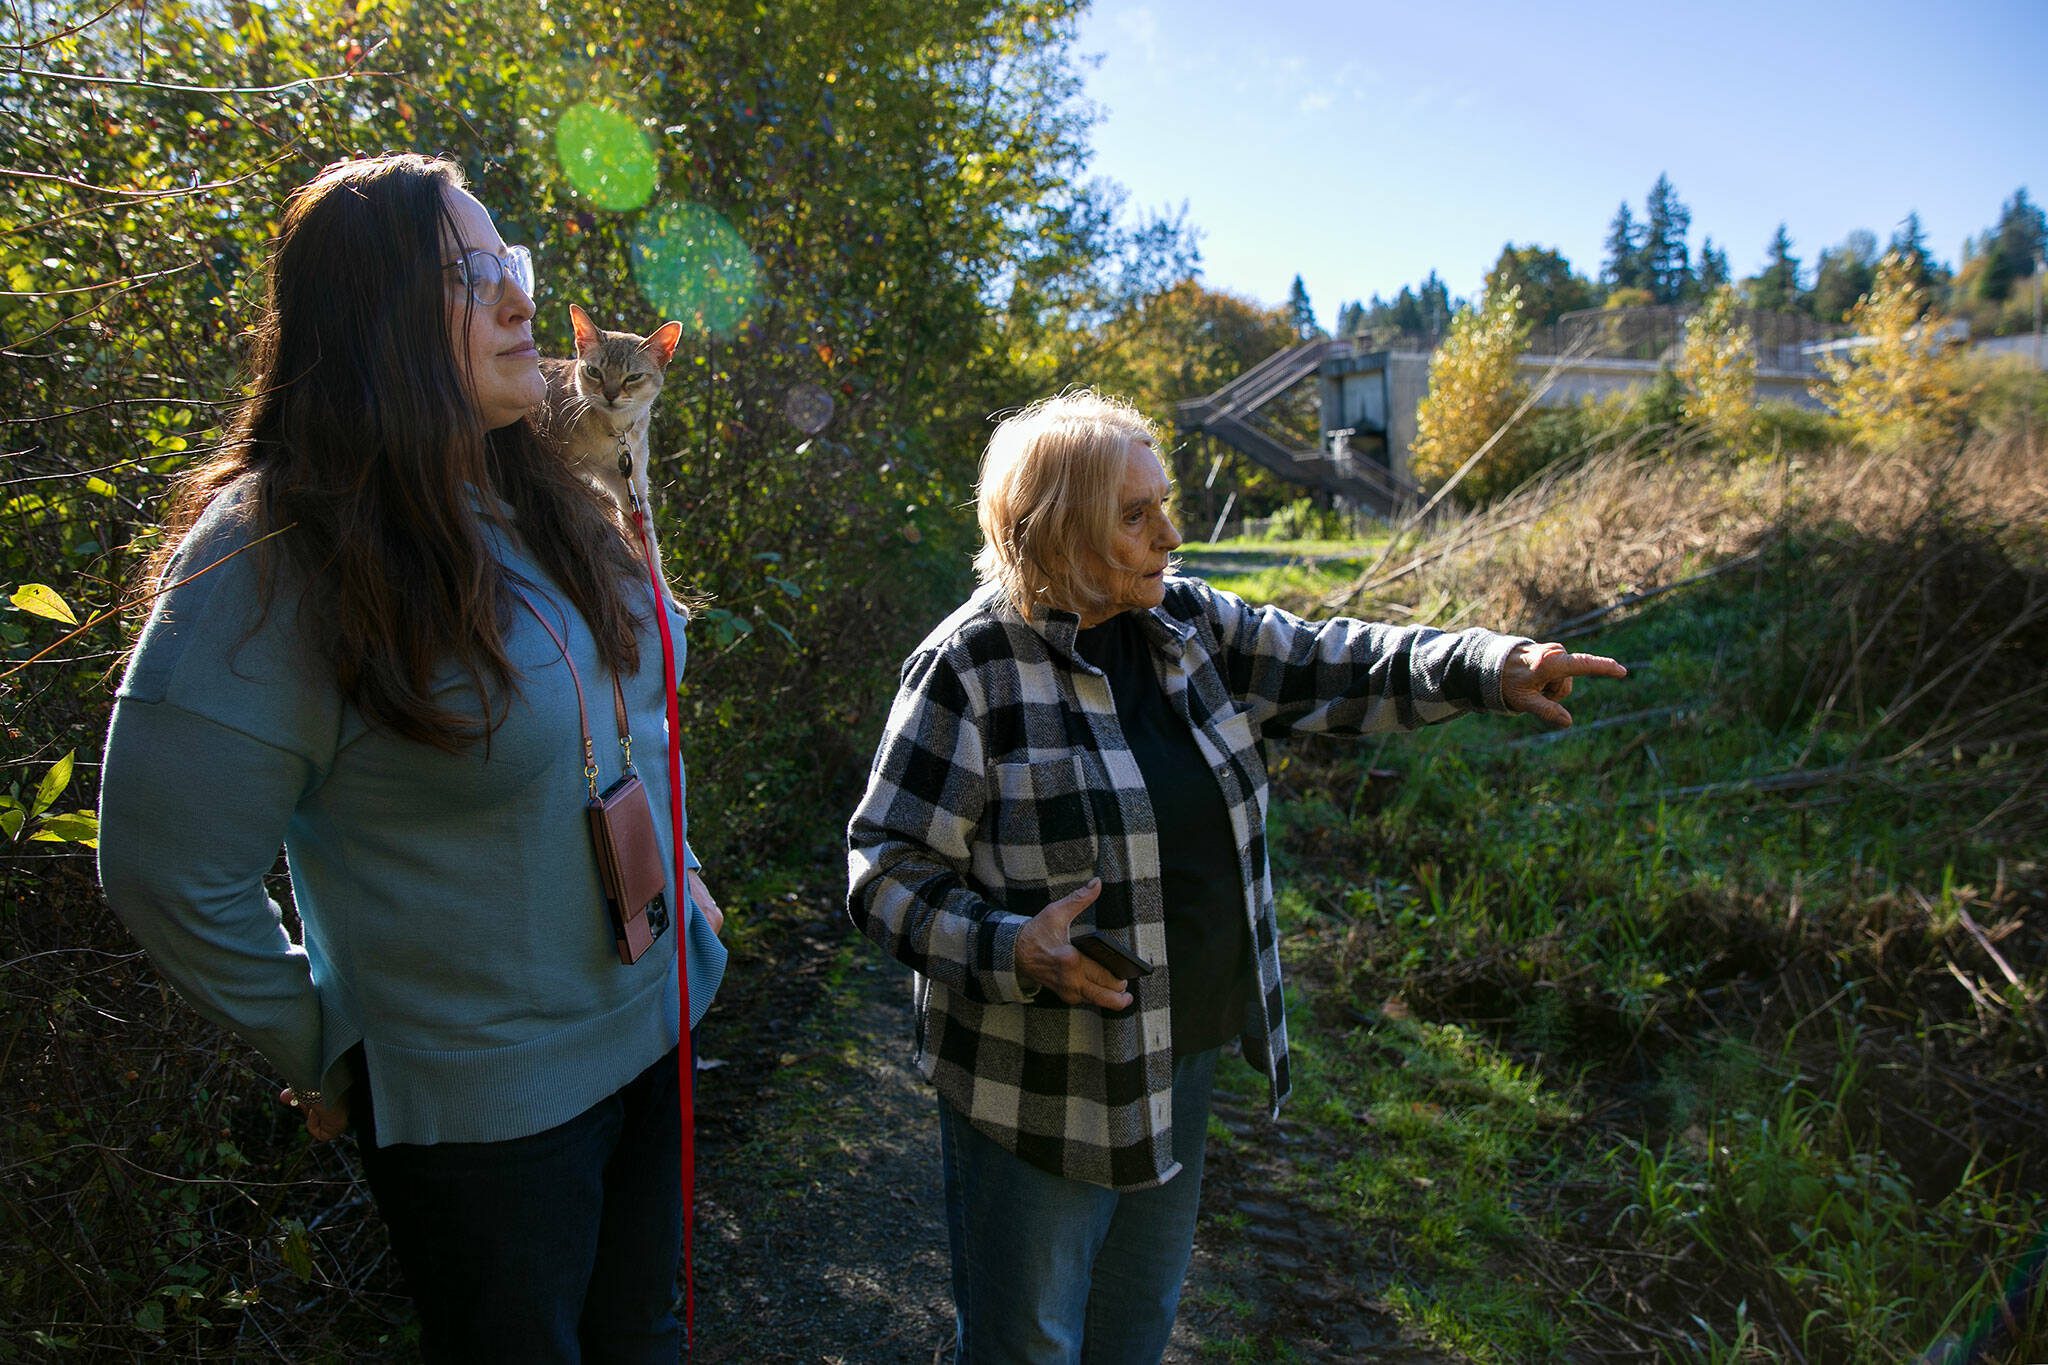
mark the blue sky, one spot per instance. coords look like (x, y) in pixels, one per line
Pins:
(1361, 144)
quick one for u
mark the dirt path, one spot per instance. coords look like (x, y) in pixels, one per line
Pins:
(821, 1229)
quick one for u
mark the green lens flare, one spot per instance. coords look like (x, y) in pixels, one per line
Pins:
(691, 265)
(606, 156)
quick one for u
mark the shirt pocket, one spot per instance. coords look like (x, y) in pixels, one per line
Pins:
(1242, 752)
(1041, 838)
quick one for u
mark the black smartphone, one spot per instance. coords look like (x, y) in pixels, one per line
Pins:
(1120, 961)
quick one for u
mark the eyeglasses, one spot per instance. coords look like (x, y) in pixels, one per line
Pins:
(484, 273)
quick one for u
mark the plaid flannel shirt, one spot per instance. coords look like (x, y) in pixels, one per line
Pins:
(1004, 780)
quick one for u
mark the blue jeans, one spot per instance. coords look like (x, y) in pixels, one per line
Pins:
(562, 1246)
(1047, 1269)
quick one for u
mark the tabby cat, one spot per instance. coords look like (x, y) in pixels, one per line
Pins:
(599, 407)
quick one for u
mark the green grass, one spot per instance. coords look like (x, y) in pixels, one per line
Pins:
(1672, 1047)
(1270, 570)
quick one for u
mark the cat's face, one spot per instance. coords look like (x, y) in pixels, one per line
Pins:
(617, 373)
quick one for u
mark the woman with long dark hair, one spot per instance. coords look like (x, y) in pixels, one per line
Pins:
(396, 636)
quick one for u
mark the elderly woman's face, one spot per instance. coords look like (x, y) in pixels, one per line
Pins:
(1143, 540)
(493, 341)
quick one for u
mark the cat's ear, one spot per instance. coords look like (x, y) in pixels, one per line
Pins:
(587, 334)
(662, 345)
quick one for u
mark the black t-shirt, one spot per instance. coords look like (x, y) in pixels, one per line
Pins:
(1208, 943)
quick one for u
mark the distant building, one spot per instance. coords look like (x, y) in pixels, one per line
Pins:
(1369, 390)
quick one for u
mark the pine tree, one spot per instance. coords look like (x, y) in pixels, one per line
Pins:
(1666, 263)
(2013, 246)
(1909, 243)
(1405, 313)
(1434, 299)
(1777, 288)
(1624, 268)
(1301, 312)
(1713, 268)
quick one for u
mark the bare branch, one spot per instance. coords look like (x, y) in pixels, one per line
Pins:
(48, 38)
(129, 83)
(125, 282)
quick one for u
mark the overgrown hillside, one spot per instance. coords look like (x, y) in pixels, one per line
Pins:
(1712, 1027)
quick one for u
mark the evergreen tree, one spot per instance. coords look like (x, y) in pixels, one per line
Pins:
(1434, 301)
(1666, 267)
(1777, 288)
(1714, 270)
(1405, 313)
(1301, 312)
(1549, 287)
(1909, 244)
(1844, 275)
(2013, 246)
(1624, 268)
(1350, 319)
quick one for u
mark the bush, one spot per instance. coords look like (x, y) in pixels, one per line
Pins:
(2008, 396)
(1302, 519)
(1788, 428)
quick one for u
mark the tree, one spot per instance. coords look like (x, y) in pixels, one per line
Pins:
(1714, 270)
(1776, 289)
(1844, 275)
(1190, 340)
(1902, 385)
(1473, 392)
(1301, 312)
(1717, 365)
(1548, 286)
(1666, 262)
(2005, 254)
(1625, 266)
(1350, 319)
(1910, 244)
(1433, 304)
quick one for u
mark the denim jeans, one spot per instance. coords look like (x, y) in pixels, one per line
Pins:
(1047, 1269)
(562, 1246)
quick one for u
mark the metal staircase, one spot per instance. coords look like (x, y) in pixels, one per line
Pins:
(1227, 415)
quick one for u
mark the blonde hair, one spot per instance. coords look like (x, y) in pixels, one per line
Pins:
(1050, 479)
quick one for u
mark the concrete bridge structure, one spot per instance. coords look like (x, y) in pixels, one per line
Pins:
(1368, 392)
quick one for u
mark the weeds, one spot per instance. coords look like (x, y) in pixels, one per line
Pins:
(1724, 1019)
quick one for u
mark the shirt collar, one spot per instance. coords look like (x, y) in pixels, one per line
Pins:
(1058, 629)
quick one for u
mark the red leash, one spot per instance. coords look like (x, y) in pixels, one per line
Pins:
(685, 1053)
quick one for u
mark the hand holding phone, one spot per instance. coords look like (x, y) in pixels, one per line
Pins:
(1119, 961)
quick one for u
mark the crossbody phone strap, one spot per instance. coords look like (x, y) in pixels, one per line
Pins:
(686, 1064)
(582, 715)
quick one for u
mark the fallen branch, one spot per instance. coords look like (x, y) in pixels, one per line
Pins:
(1581, 624)
(1552, 736)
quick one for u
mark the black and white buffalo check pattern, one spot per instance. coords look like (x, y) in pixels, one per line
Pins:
(1004, 782)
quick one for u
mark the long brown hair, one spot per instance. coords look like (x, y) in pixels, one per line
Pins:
(359, 436)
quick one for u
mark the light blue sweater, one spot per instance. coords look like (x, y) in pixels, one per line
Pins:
(454, 923)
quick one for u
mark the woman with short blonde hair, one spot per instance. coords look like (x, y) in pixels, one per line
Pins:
(1048, 485)
(1064, 837)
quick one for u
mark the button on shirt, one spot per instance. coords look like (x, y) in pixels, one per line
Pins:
(1208, 940)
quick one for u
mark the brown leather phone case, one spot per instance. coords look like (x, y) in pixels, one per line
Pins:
(629, 863)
